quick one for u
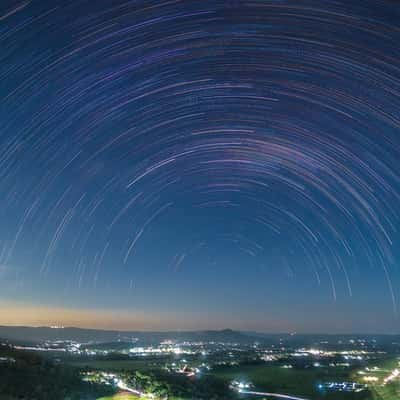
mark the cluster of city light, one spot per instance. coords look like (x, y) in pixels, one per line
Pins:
(105, 378)
(370, 378)
(370, 375)
(342, 386)
(240, 386)
(347, 355)
(160, 350)
(393, 375)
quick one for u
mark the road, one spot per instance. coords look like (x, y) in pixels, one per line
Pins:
(279, 396)
(123, 386)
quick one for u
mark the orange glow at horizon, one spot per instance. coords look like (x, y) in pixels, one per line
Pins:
(21, 314)
(38, 315)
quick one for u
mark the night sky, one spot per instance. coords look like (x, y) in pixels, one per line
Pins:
(200, 164)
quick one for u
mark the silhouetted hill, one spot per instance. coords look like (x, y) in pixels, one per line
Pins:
(40, 334)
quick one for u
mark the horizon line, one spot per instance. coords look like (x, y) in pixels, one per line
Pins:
(245, 332)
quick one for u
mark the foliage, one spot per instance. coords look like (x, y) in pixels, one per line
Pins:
(29, 376)
(172, 385)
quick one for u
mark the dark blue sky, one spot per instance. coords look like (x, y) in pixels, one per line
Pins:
(200, 164)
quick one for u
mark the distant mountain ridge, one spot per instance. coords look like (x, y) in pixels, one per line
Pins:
(26, 335)
(40, 334)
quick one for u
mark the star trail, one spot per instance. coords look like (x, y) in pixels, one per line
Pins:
(235, 163)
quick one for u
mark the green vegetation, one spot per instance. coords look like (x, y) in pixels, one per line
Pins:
(380, 371)
(164, 384)
(147, 383)
(26, 375)
(292, 381)
(205, 387)
(29, 376)
(115, 365)
(120, 396)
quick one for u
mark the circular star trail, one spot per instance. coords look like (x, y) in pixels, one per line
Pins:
(241, 151)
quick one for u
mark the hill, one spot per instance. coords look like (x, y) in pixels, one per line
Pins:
(40, 334)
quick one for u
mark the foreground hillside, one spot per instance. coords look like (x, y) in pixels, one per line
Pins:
(24, 376)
